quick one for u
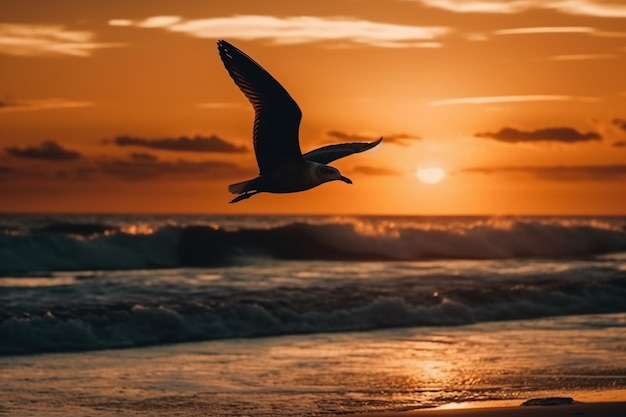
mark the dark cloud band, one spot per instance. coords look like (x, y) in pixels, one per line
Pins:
(210, 144)
(48, 150)
(550, 134)
(397, 138)
(375, 171)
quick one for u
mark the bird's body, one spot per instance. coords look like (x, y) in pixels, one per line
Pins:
(288, 179)
(282, 166)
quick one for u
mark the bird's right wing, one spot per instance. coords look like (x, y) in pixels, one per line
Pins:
(277, 115)
(330, 153)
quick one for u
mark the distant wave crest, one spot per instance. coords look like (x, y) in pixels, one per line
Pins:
(100, 247)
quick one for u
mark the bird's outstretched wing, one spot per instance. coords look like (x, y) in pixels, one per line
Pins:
(277, 115)
(330, 153)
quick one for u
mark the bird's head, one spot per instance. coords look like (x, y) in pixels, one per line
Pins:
(327, 173)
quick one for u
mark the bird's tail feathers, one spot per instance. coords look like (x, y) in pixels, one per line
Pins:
(242, 187)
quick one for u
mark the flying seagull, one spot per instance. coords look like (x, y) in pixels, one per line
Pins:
(282, 166)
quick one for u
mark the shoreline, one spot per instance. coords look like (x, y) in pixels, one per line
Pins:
(600, 403)
(586, 409)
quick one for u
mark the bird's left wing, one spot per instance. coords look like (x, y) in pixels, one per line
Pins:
(277, 115)
(330, 153)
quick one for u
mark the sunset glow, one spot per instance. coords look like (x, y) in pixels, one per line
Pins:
(113, 108)
(431, 175)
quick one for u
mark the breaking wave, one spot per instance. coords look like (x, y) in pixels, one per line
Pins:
(75, 324)
(60, 247)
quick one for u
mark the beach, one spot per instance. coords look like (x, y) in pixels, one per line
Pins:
(397, 372)
(416, 316)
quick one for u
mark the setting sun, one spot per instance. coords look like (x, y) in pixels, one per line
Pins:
(431, 175)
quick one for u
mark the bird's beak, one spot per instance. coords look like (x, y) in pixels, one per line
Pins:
(345, 179)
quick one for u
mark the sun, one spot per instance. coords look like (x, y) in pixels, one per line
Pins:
(431, 175)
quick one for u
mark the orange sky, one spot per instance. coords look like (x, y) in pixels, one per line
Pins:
(522, 102)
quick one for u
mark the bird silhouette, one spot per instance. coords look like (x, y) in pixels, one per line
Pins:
(282, 166)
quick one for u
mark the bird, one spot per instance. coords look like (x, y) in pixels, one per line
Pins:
(282, 166)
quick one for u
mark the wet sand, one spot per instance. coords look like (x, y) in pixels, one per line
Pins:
(599, 409)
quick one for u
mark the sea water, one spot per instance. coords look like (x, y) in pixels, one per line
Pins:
(309, 315)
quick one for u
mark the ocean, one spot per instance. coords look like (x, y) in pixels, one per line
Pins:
(306, 315)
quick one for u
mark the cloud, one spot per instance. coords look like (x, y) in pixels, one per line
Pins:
(42, 104)
(296, 30)
(616, 172)
(400, 138)
(582, 57)
(136, 167)
(620, 123)
(143, 169)
(596, 8)
(47, 40)
(397, 138)
(150, 22)
(142, 156)
(378, 171)
(49, 150)
(211, 144)
(510, 99)
(476, 6)
(540, 30)
(349, 137)
(550, 134)
(544, 29)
